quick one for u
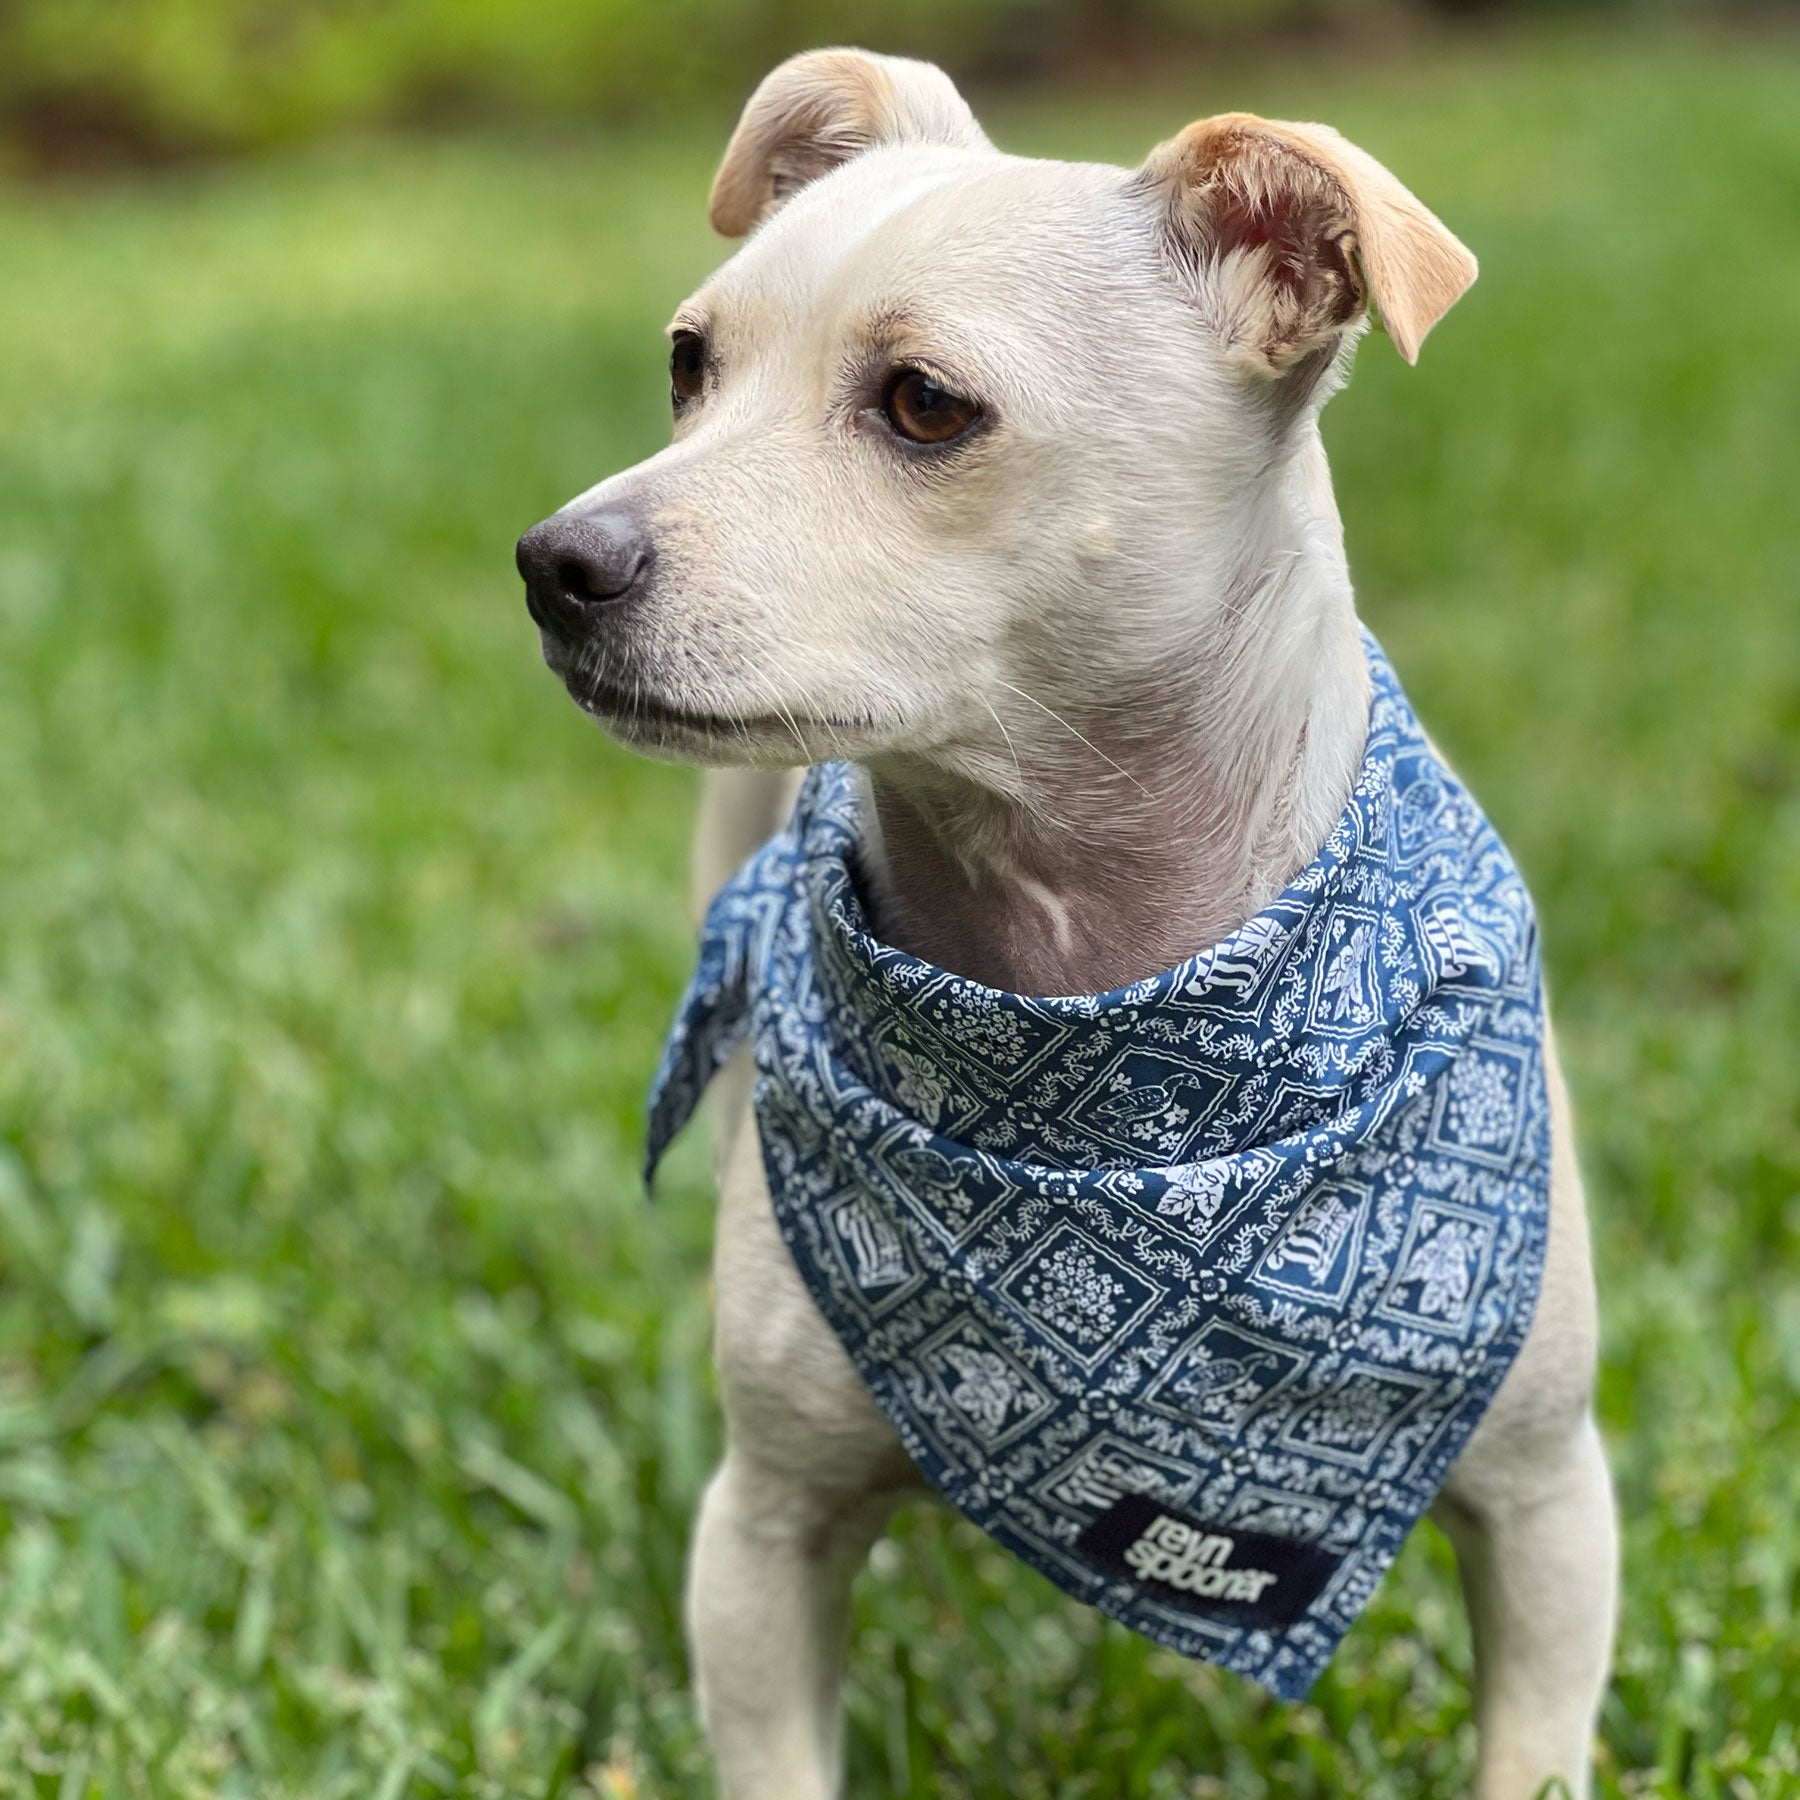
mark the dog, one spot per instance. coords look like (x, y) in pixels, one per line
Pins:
(1002, 479)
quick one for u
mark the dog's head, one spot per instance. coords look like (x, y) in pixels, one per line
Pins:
(961, 438)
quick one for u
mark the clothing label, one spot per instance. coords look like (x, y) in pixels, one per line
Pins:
(1249, 1577)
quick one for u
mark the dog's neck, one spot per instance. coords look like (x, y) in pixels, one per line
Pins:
(1085, 855)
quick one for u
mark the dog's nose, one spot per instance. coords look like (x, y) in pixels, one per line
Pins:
(576, 563)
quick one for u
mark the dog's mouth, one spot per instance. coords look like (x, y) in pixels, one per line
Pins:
(643, 717)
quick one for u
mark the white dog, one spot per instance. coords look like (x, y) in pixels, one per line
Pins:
(1002, 478)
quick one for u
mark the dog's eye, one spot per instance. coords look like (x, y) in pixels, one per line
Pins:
(687, 367)
(919, 409)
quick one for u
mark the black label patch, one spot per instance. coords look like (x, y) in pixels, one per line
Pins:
(1246, 1577)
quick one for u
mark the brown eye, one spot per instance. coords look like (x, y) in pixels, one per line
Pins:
(919, 409)
(687, 367)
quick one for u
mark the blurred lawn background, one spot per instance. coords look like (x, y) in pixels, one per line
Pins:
(353, 1405)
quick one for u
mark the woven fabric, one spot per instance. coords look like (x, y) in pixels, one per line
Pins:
(1189, 1293)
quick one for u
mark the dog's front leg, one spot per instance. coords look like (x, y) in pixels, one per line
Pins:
(1537, 1551)
(811, 1473)
(1529, 1508)
(769, 1619)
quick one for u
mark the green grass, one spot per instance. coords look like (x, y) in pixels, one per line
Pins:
(352, 1402)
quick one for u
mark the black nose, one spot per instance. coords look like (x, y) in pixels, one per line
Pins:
(576, 563)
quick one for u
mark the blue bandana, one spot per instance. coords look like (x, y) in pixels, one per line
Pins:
(1190, 1293)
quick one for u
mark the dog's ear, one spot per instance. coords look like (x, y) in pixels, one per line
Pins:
(819, 110)
(1289, 231)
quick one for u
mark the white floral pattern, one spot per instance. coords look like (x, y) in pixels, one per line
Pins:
(917, 1085)
(1073, 1294)
(1352, 1415)
(1483, 1106)
(1195, 1193)
(1269, 1223)
(987, 1389)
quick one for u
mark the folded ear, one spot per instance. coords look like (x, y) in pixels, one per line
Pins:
(1290, 231)
(819, 110)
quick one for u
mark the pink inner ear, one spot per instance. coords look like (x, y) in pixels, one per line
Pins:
(1301, 225)
(1264, 219)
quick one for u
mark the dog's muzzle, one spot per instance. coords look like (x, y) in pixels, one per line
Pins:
(579, 565)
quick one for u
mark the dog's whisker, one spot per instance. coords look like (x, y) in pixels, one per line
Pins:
(1013, 753)
(1070, 729)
